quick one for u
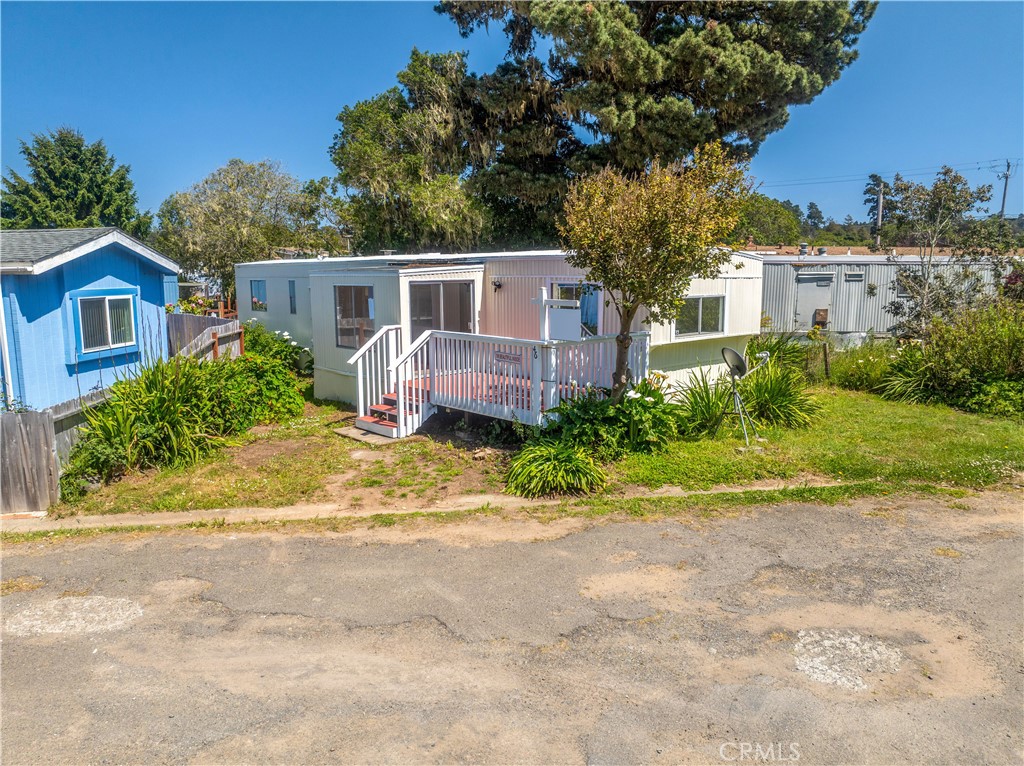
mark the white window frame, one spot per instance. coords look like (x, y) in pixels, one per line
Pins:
(106, 308)
(371, 310)
(252, 296)
(596, 289)
(700, 318)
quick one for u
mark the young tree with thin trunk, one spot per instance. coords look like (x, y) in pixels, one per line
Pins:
(645, 237)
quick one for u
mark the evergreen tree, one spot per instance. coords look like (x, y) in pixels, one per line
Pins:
(70, 184)
(622, 83)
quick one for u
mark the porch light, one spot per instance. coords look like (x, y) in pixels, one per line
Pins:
(496, 284)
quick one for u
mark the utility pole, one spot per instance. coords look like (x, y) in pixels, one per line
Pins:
(878, 213)
(1006, 184)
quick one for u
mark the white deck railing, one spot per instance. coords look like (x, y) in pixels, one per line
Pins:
(372, 362)
(487, 374)
(591, 362)
(507, 378)
(412, 375)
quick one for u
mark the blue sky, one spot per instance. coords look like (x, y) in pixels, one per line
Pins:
(177, 89)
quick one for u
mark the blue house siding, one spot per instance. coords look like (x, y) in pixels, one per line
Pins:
(48, 365)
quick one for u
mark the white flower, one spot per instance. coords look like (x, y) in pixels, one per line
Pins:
(658, 372)
(294, 343)
(649, 399)
(632, 395)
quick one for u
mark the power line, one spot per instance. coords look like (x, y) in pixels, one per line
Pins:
(861, 177)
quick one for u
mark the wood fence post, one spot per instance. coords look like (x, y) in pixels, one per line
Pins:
(241, 341)
(828, 366)
(216, 344)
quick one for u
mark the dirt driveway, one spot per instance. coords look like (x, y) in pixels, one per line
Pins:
(878, 632)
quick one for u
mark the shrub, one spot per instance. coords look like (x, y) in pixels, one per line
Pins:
(173, 412)
(276, 345)
(777, 395)
(587, 421)
(865, 367)
(249, 391)
(783, 348)
(974, 361)
(642, 421)
(979, 346)
(701, 405)
(553, 468)
(907, 379)
(644, 417)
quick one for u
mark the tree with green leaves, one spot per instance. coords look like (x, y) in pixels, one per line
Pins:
(875, 185)
(931, 218)
(401, 156)
(766, 221)
(814, 220)
(660, 78)
(620, 83)
(70, 184)
(320, 219)
(644, 237)
(238, 213)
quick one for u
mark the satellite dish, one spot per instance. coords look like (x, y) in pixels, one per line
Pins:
(737, 365)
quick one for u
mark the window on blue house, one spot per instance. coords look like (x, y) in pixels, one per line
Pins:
(106, 322)
(258, 290)
(701, 315)
(291, 297)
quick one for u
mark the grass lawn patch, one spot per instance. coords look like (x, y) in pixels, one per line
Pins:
(857, 438)
(269, 467)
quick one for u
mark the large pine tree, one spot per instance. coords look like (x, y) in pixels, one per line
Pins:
(70, 184)
(592, 84)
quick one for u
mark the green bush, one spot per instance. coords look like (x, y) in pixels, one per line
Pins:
(701, 404)
(642, 421)
(277, 345)
(173, 412)
(777, 395)
(979, 346)
(1001, 398)
(645, 418)
(865, 367)
(587, 421)
(553, 468)
(782, 348)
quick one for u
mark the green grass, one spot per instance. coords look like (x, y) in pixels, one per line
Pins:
(856, 438)
(221, 482)
(868, 444)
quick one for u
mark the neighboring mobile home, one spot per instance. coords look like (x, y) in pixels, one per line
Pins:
(80, 308)
(843, 294)
(368, 315)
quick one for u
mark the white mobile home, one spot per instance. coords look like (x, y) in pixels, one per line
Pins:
(401, 335)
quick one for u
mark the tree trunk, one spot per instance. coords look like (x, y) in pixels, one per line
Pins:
(620, 378)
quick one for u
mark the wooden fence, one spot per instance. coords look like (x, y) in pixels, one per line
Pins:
(183, 330)
(226, 340)
(28, 462)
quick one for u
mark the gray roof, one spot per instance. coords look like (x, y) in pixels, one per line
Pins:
(30, 246)
(34, 251)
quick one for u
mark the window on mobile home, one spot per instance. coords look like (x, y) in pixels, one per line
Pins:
(589, 297)
(258, 290)
(291, 296)
(353, 313)
(702, 315)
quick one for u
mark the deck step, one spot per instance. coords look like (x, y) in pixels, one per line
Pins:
(377, 426)
(386, 412)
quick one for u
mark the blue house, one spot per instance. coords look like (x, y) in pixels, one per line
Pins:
(80, 308)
